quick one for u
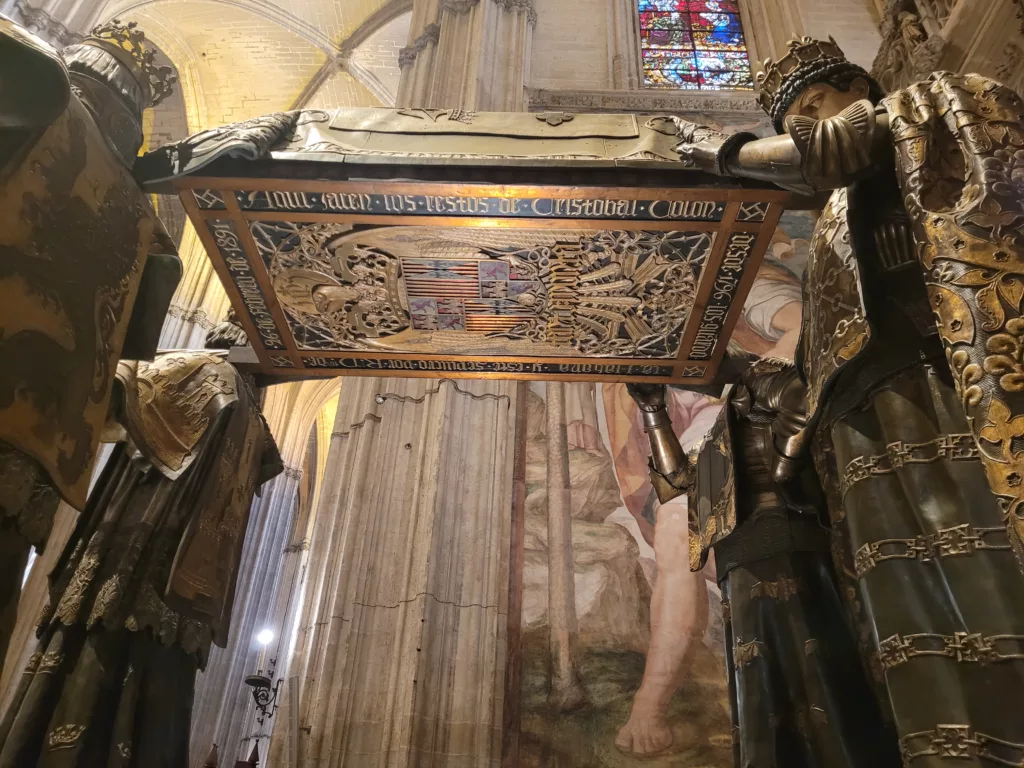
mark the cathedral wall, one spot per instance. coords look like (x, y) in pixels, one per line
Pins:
(570, 45)
(853, 24)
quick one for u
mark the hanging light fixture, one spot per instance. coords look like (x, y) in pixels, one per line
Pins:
(264, 689)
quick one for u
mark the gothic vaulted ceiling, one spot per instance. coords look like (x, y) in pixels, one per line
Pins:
(241, 58)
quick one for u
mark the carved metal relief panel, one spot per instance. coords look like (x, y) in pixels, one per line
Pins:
(444, 279)
(531, 292)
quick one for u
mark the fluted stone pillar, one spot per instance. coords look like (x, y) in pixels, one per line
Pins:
(768, 25)
(58, 22)
(223, 712)
(468, 54)
(400, 654)
(623, 45)
(198, 303)
(985, 36)
(566, 689)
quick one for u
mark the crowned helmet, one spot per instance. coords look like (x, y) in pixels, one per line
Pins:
(806, 63)
(127, 43)
(115, 74)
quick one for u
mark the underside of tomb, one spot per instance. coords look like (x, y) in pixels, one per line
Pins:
(588, 253)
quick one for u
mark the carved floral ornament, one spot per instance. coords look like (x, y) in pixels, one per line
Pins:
(907, 52)
(554, 118)
(430, 35)
(341, 292)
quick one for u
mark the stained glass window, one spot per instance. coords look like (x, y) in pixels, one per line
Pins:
(693, 44)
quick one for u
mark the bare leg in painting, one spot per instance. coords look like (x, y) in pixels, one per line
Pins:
(679, 615)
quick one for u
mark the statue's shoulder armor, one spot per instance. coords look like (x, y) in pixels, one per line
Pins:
(171, 403)
(39, 90)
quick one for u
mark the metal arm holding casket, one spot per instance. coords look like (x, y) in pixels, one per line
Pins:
(671, 469)
(770, 387)
(814, 155)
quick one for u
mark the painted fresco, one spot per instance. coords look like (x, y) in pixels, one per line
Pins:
(650, 657)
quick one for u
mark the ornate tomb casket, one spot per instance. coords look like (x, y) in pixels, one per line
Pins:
(423, 242)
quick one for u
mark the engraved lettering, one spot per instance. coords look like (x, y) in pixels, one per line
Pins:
(584, 369)
(542, 206)
(724, 288)
(289, 201)
(461, 205)
(248, 286)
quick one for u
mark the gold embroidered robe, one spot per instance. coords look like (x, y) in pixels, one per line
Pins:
(76, 232)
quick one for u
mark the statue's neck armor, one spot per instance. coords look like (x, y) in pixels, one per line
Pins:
(903, 331)
(896, 328)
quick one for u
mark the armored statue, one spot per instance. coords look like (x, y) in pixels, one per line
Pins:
(147, 580)
(912, 355)
(86, 271)
(800, 696)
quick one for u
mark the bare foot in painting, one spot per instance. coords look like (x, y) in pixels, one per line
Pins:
(646, 734)
(679, 615)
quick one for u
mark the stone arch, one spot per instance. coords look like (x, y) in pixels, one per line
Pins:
(263, 8)
(374, 59)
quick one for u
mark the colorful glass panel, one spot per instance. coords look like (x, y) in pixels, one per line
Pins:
(693, 44)
(690, 6)
(666, 38)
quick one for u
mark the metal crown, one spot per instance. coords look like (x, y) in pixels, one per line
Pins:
(804, 56)
(127, 43)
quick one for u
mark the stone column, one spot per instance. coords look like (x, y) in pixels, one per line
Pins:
(624, 45)
(400, 654)
(198, 303)
(566, 689)
(58, 22)
(768, 25)
(223, 712)
(468, 54)
(853, 24)
(984, 36)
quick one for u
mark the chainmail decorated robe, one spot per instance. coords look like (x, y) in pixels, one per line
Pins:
(800, 695)
(911, 305)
